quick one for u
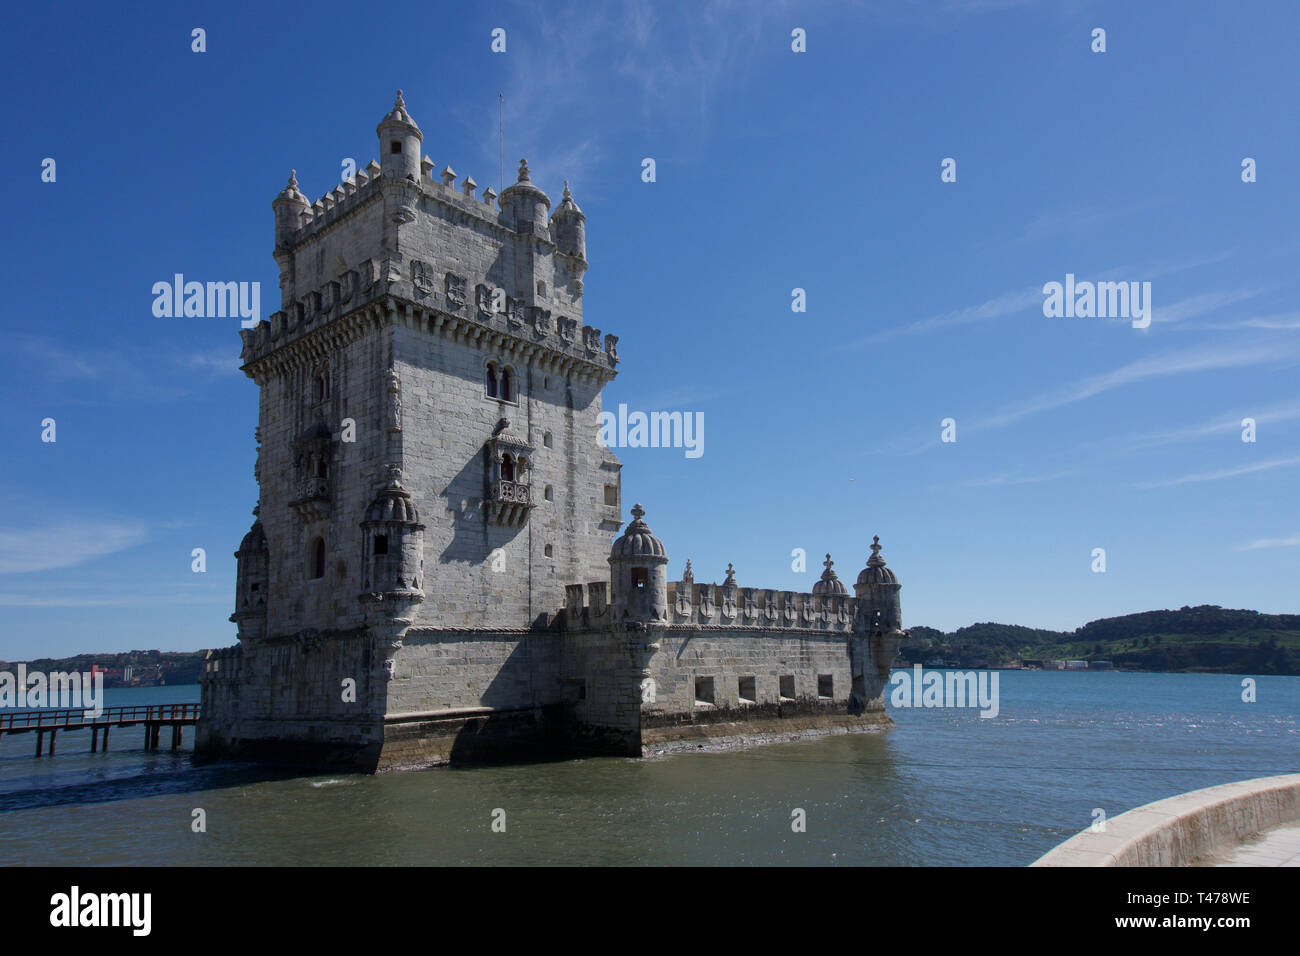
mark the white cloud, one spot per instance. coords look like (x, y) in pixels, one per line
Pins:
(1290, 542)
(63, 545)
(1202, 358)
(1224, 473)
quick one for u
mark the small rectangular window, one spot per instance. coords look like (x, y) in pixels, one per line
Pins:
(611, 495)
(787, 687)
(703, 690)
(747, 695)
(640, 578)
(825, 685)
(381, 544)
(396, 147)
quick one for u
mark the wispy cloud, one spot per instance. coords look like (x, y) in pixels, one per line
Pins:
(1290, 542)
(1225, 424)
(1224, 473)
(154, 373)
(674, 68)
(1007, 479)
(1201, 358)
(116, 599)
(999, 307)
(64, 545)
(1205, 302)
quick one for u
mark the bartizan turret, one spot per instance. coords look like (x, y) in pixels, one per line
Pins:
(877, 632)
(526, 206)
(879, 588)
(288, 207)
(399, 143)
(638, 566)
(569, 228)
(392, 565)
(252, 578)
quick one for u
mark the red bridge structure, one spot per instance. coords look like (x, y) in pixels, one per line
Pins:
(154, 717)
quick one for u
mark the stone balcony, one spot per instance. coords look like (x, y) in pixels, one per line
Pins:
(509, 503)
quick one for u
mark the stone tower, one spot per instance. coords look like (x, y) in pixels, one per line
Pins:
(430, 575)
(427, 334)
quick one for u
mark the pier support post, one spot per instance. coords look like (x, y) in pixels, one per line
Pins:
(106, 738)
(94, 739)
(53, 735)
(40, 741)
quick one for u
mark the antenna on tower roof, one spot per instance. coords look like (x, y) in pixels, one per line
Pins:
(501, 142)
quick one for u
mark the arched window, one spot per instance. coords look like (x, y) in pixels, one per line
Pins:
(508, 384)
(546, 439)
(317, 558)
(492, 380)
(508, 468)
(549, 493)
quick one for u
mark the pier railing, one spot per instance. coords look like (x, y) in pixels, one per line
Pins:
(153, 716)
(81, 717)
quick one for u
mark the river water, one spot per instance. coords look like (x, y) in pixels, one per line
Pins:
(945, 787)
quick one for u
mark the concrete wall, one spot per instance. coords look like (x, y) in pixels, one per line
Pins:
(1182, 829)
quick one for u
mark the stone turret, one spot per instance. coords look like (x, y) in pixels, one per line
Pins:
(392, 558)
(639, 573)
(399, 143)
(288, 206)
(569, 229)
(392, 565)
(830, 583)
(526, 205)
(252, 579)
(878, 586)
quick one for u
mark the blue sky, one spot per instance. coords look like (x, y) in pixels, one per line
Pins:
(775, 170)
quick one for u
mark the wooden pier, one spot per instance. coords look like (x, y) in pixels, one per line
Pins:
(154, 718)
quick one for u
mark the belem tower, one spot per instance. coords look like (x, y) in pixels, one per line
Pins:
(429, 576)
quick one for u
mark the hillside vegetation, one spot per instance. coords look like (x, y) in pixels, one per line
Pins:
(1208, 639)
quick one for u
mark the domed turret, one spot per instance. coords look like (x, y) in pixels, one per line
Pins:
(526, 204)
(830, 583)
(568, 227)
(392, 557)
(288, 207)
(638, 565)
(875, 573)
(252, 580)
(399, 143)
(878, 586)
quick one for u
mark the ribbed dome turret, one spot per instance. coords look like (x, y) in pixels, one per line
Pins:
(393, 504)
(290, 193)
(398, 118)
(638, 541)
(254, 541)
(875, 573)
(830, 582)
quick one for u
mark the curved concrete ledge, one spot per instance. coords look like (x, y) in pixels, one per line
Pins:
(1181, 829)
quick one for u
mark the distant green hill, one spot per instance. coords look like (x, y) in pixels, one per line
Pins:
(1208, 638)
